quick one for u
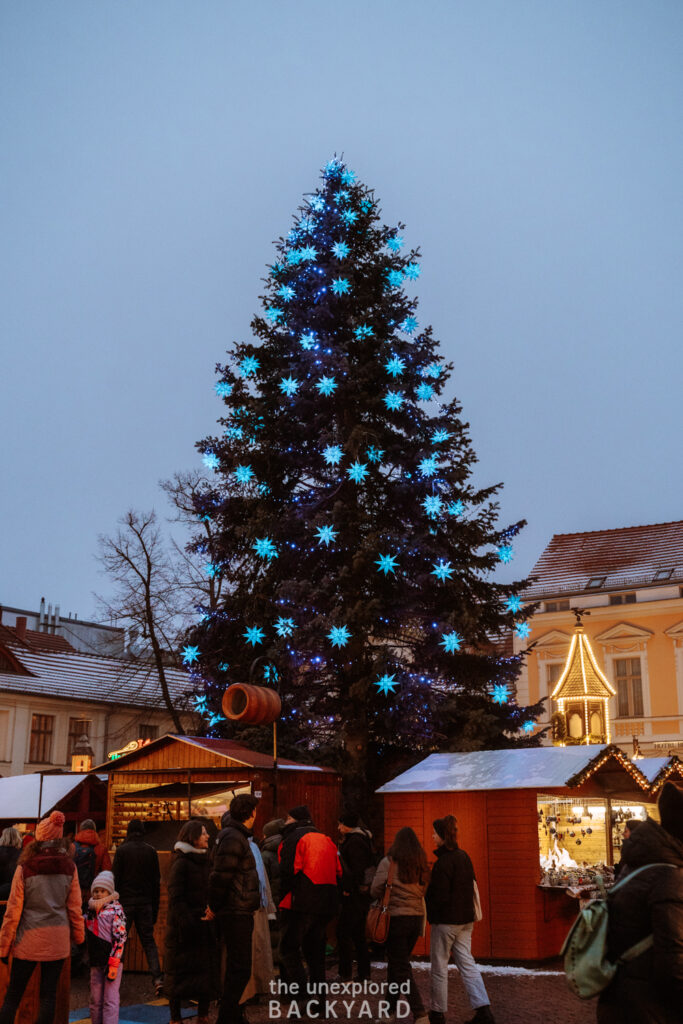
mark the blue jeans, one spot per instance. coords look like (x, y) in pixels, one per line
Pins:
(455, 939)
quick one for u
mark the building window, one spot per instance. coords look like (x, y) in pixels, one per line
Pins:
(42, 727)
(595, 582)
(663, 574)
(148, 732)
(77, 728)
(556, 606)
(552, 674)
(629, 687)
(629, 598)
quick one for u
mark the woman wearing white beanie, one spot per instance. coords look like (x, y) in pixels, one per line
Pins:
(105, 929)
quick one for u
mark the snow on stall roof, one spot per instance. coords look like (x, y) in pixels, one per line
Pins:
(651, 766)
(523, 768)
(20, 794)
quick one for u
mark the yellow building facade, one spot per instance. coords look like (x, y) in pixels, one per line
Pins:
(628, 586)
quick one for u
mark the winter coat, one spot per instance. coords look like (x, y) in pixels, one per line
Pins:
(648, 989)
(269, 848)
(9, 855)
(309, 871)
(450, 893)
(136, 873)
(89, 837)
(44, 908)
(406, 899)
(190, 964)
(356, 855)
(105, 933)
(233, 882)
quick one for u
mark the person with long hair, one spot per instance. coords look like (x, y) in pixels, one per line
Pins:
(450, 912)
(10, 848)
(406, 913)
(191, 960)
(43, 916)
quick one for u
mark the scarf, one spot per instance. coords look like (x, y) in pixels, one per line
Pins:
(183, 847)
(100, 904)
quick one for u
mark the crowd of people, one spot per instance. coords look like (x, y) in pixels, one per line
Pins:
(241, 912)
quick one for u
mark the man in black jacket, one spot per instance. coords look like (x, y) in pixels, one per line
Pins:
(136, 874)
(357, 857)
(649, 988)
(234, 895)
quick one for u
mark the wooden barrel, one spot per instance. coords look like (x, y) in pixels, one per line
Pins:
(252, 705)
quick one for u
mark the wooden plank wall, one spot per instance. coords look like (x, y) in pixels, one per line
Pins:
(133, 956)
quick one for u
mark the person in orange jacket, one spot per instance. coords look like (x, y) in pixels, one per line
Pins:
(43, 916)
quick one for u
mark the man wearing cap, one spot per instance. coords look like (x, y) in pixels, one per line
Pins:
(649, 988)
(309, 871)
(137, 878)
(357, 859)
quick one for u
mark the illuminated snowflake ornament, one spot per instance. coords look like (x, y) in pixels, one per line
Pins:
(522, 630)
(326, 385)
(395, 243)
(286, 293)
(274, 314)
(455, 508)
(223, 389)
(340, 250)
(349, 216)
(433, 370)
(294, 257)
(348, 177)
(341, 286)
(243, 474)
(505, 553)
(211, 570)
(248, 366)
(386, 684)
(439, 436)
(289, 386)
(395, 278)
(409, 325)
(386, 564)
(428, 466)
(357, 472)
(339, 636)
(316, 203)
(332, 454)
(211, 460)
(425, 392)
(284, 627)
(395, 366)
(513, 604)
(253, 635)
(432, 505)
(265, 548)
(200, 703)
(442, 570)
(412, 271)
(528, 726)
(215, 718)
(326, 534)
(307, 340)
(451, 642)
(190, 654)
(393, 400)
(500, 693)
(309, 253)
(363, 332)
(375, 454)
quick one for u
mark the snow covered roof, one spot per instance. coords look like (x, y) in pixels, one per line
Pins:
(90, 677)
(229, 749)
(521, 768)
(20, 795)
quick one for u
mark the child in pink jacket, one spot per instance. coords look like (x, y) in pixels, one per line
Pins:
(105, 929)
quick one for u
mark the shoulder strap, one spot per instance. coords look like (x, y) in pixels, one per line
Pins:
(386, 895)
(632, 874)
(646, 943)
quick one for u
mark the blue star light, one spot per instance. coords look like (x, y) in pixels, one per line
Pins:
(249, 365)
(451, 642)
(200, 703)
(326, 385)
(326, 534)
(307, 224)
(243, 474)
(265, 548)
(348, 177)
(340, 250)
(309, 252)
(357, 471)
(432, 505)
(332, 168)
(386, 564)
(234, 432)
(425, 392)
(212, 570)
(211, 461)
(395, 243)
(286, 293)
(409, 325)
(375, 454)
(513, 604)
(190, 654)
(522, 629)
(433, 370)
(294, 256)
(307, 340)
(289, 386)
(393, 400)
(284, 627)
(363, 332)
(455, 508)
(412, 271)
(339, 635)
(505, 553)
(341, 286)
(442, 570)
(500, 693)
(395, 366)
(215, 718)
(428, 466)
(349, 216)
(332, 454)
(317, 203)
(274, 314)
(528, 726)
(341, 196)
(223, 389)
(386, 684)
(253, 635)
(395, 278)
(439, 436)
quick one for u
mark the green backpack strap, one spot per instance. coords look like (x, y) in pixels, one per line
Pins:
(648, 941)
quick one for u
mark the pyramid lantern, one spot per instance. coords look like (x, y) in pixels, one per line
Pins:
(581, 695)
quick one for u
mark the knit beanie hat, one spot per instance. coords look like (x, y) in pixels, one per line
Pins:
(105, 880)
(271, 828)
(51, 827)
(671, 810)
(300, 813)
(349, 819)
(135, 827)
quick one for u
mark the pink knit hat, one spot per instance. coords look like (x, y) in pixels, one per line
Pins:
(51, 828)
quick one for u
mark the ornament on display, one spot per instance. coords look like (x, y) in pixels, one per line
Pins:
(522, 630)
(513, 604)
(253, 635)
(340, 250)
(211, 460)
(243, 474)
(289, 386)
(332, 454)
(223, 389)
(249, 366)
(364, 331)
(386, 564)
(284, 627)
(341, 286)
(357, 472)
(326, 534)
(500, 693)
(339, 636)
(395, 366)
(412, 271)
(409, 325)
(451, 642)
(393, 400)
(265, 548)
(505, 553)
(386, 684)
(190, 654)
(326, 385)
(432, 505)
(442, 570)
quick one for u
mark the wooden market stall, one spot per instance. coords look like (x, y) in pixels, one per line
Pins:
(174, 778)
(539, 824)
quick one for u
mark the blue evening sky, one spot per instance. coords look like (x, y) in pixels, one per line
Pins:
(152, 150)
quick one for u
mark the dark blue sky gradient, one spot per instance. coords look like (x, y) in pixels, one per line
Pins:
(152, 151)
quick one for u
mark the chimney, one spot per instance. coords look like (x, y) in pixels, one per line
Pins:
(56, 619)
(41, 616)
(20, 628)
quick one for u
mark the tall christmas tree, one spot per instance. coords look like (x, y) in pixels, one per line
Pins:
(356, 554)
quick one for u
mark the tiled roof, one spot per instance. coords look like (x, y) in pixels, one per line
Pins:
(34, 640)
(581, 677)
(626, 557)
(79, 676)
